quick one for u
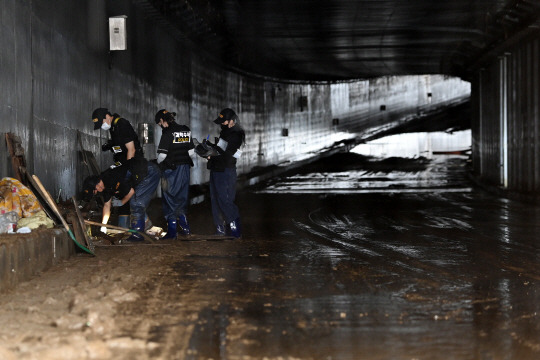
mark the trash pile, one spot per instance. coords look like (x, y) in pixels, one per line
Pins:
(25, 203)
(20, 210)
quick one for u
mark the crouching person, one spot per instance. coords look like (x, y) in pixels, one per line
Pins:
(117, 190)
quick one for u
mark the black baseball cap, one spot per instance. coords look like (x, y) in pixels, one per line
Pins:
(89, 184)
(165, 115)
(98, 115)
(226, 114)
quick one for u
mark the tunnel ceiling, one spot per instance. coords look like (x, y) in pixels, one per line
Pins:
(348, 39)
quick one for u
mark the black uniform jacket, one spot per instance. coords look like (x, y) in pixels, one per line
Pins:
(115, 184)
(176, 141)
(122, 133)
(234, 137)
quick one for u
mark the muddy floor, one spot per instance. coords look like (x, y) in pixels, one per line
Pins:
(393, 259)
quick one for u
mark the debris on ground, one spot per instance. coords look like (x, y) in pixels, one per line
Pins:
(18, 199)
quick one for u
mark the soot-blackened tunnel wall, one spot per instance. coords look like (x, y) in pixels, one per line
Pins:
(56, 68)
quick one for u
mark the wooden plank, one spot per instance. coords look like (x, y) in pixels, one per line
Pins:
(93, 163)
(41, 198)
(53, 206)
(77, 229)
(89, 161)
(120, 228)
(87, 157)
(17, 156)
(199, 237)
(82, 225)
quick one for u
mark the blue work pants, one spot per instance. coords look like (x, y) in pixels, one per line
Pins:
(175, 199)
(222, 194)
(144, 192)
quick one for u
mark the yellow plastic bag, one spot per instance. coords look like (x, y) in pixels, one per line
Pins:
(14, 196)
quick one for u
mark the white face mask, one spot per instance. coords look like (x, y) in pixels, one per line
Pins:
(105, 126)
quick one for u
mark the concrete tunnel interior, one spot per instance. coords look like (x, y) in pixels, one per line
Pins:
(423, 116)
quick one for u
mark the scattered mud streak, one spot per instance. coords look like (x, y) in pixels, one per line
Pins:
(378, 275)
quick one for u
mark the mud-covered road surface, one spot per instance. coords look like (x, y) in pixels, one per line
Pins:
(395, 259)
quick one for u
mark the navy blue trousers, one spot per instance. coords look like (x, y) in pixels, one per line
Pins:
(222, 194)
(175, 199)
(144, 192)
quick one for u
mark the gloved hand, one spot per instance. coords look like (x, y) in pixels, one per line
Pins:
(107, 146)
(116, 203)
(208, 143)
(103, 229)
(162, 166)
(204, 149)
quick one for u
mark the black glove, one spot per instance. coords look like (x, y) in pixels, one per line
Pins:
(107, 146)
(208, 143)
(163, 166)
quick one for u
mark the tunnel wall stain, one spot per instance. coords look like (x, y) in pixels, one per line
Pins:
(485, 95)
(56, 68)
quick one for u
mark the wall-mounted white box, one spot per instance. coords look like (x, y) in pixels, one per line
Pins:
(118, 32)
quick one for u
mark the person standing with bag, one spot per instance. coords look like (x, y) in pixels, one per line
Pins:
(223, 174)
(175, 163)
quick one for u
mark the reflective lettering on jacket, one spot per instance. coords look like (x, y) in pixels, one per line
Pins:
(115, 165)
(181, 137)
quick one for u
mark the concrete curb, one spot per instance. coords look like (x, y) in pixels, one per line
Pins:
(23, 256)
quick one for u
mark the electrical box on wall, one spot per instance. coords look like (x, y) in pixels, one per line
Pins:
(118, 32)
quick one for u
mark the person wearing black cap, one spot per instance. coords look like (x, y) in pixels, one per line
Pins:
(223, 174)
(129, 159)
(124, 141)
(115, 189)
(175, 163)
